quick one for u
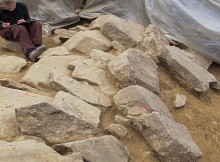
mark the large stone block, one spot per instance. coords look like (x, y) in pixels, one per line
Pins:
(85, 41)
(133, 68)
(100, 149)
(136, 100)
(187, 70)
(54, 124)
(169, 140)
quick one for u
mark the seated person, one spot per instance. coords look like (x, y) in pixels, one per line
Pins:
(29, 35)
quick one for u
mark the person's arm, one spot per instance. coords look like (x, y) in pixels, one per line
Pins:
(26, 14)
(4, 25)
(1, 25)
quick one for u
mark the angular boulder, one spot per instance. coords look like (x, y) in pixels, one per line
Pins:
(54, 124)
(85, 41)
(169, 140)
(136, 100)
(32, 151)
(100, 149)
(133, 68)
(186, 70)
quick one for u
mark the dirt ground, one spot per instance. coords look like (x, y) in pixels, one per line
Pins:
(202, 118)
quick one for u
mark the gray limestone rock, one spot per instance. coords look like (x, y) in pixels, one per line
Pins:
(186, 70)
(117, 130)
(100, 149)
(126, 32)
(11, 99)
(180, 100)
(169, 140)
(133, 68)
(54, 124)
(85, 41)
(78, 107)
(39, 72)
(153, 41)
(87, 93)
(32, 151)
(136, 100)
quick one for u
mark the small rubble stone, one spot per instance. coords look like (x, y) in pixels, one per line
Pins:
(180, 101)
(117, 46)
(59, 31)
(122, 120)
(215, 85)
(117, 130)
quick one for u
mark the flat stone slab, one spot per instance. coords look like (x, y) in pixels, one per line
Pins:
(136, 100)
(169, 140)
(11, 64)
(85, 92)
(39, 72)
(9, 83)
(186, 70)
(85, 41)
(11, 99)
(100, 149)
(95, 73)
(133, 68)
(56, 51)
(125, 32)
(30, 151)
(78, 108)
(54, 124)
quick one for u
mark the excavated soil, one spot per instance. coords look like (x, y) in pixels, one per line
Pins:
(201, 117)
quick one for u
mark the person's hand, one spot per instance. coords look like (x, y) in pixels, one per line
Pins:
(6, 25)
(21, 21)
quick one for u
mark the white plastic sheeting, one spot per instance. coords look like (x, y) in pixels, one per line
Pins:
(127, 9)
(54, 11)
(195, 23)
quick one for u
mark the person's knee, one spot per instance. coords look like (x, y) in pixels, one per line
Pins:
(36, 24)
(19, 29)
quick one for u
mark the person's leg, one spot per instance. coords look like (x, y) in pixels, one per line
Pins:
(35, 32)
(20, 34)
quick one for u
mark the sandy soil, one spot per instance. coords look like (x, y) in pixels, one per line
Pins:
(200, 117)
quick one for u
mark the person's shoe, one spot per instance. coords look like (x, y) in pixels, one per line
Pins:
(41, 48)
(33, 55)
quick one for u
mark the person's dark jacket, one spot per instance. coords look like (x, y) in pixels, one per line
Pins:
(12, 17)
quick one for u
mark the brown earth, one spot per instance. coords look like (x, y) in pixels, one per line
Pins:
(200, 117)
